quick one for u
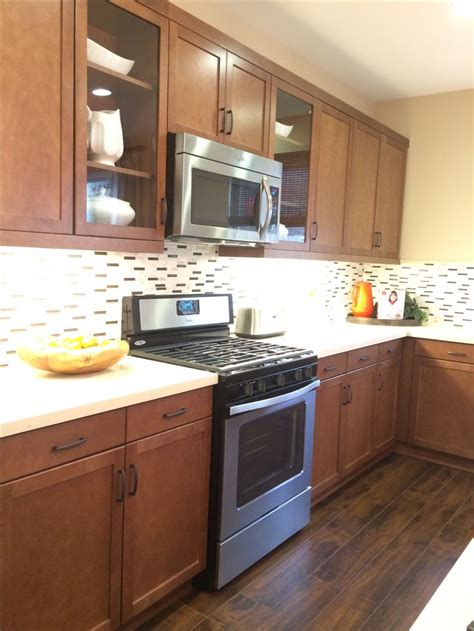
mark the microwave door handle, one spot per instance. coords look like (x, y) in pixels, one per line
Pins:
(282, 398)
(266, 189)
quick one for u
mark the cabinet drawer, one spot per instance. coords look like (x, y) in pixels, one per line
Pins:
(332, 366)
(360, 357)
(445, 350)
(159, 415)
(389, 350)
(23, 454)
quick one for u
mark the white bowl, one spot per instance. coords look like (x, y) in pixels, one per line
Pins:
(101, 56)
(283, 130)
(105, 209)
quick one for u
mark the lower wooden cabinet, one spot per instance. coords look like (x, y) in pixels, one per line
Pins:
(386, 404)
(165, 533)
(357, 419)
(442, 404)
(356, 415)
(326, 435)
(61, 547)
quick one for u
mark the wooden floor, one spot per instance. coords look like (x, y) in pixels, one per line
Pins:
(371, 558)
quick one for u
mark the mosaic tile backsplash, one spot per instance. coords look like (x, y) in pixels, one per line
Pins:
(56, 292)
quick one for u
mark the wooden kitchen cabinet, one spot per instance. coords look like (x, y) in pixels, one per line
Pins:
(442, 404)
(216, 94)
(329, 400)
(138, 175)
(362, 191)
(386, 404)
(390, 189)
(166, 511)
(332, 170)
(36, 125)
(61, 547)
(357, 419)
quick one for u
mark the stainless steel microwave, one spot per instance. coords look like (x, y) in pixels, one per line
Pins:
(220, 194)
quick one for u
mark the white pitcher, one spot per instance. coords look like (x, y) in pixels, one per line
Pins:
(105, 137)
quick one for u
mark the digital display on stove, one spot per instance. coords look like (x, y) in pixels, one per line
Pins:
(187, 307)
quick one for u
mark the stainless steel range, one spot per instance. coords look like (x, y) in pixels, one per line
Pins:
(263, 417)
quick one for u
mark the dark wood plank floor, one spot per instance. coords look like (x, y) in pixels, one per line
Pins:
(371, 558)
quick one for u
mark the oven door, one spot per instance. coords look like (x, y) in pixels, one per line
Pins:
(267, 456)
(220, 202)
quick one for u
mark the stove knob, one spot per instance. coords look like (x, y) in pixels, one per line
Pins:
(248, 388)
(281, 380)
(261, 385)
(308, 372)
(298, 375)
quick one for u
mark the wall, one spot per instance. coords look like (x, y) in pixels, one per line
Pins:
(258, 37)
(439, 195)
(59, 292)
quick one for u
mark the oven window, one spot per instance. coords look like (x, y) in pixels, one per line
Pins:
(271, 451)
(223, 201)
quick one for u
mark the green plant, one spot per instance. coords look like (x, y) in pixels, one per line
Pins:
(413, 311)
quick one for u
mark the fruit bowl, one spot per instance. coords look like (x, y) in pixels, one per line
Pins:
(72, 355)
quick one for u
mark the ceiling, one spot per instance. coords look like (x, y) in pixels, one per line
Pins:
(383, 50)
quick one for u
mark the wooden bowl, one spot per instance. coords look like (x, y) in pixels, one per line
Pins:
(40, 354)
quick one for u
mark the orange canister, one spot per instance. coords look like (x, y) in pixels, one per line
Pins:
(362, 301)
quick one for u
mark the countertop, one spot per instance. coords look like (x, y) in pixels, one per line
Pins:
(35, 398)
(330, 338)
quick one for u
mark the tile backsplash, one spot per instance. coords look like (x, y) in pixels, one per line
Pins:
(55, 292)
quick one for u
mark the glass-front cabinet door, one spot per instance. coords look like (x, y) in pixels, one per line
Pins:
(292, 143)
(120, 119)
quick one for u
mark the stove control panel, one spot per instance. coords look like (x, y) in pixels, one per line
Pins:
(270, 383)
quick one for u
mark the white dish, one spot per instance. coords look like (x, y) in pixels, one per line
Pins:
(283, 130)
(105, 209)
(101, 56)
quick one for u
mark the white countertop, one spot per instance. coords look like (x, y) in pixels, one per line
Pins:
(330, 338)
(35, 398)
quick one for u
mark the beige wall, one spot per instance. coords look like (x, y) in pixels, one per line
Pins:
(241, 28)
(439, 195)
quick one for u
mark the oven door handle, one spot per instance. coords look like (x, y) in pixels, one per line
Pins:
(282, 398)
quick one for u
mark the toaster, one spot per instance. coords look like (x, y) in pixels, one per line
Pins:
(256, 322)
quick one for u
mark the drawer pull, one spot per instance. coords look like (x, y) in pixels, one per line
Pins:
(121, 486)
(75, 443)
(391, 350)
(176, 413)
(134, 488)
(364, 358)
(330, 368)
(457, 354)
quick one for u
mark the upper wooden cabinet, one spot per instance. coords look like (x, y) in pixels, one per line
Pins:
(36, 122)
(332, 168)
(292, 142)
(362, 193)
(217, 95)
(390, 188)
(120, 120)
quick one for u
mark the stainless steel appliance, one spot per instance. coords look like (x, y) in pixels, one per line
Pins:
(260, 322)
(263, 416)
(221, 194)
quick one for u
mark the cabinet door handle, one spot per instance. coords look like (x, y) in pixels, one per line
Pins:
(314, 227)
(133, 490)
(75, 443)
(231, 114)
(457, 354)
(376, 240)
(175, 413)
(330, 368)
(121, 486)
(381, 239)
(349, 391)
(222, 120)
(380, 384)
(164, 210)
(344, 395)
(364, 358)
